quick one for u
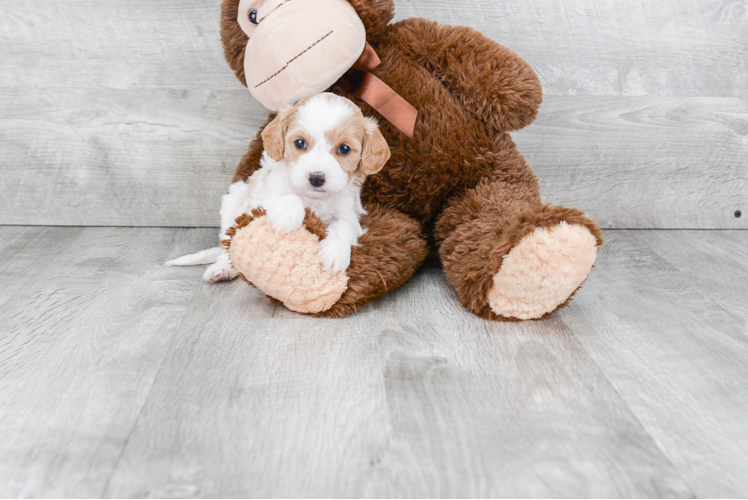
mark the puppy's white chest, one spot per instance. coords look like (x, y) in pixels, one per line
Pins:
(324, 211)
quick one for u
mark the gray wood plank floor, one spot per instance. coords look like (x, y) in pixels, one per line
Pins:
(120, 378)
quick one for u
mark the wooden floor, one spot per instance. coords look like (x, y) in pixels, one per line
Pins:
(120, 378)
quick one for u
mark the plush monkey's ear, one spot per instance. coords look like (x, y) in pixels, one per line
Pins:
(376, 151)
(274, 135)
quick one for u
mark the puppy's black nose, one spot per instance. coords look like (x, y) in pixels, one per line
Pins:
(317, 179)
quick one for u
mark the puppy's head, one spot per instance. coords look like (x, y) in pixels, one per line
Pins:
(326, 143)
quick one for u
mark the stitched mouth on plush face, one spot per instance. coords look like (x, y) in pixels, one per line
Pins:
(311, 47)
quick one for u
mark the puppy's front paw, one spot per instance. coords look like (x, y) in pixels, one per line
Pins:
(286, 214)
(334, 254)
(222, 270)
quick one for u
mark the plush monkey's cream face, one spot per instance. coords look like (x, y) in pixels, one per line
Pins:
(297, 48)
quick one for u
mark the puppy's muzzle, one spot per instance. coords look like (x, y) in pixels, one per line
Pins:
(317, 179)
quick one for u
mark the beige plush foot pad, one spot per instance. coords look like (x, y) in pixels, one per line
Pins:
(285, 266)
(542, 271)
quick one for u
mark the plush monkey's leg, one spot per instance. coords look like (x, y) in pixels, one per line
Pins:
(286, 266)
(388, 254)
(508, 256)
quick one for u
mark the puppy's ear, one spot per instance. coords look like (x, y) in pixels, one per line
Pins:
(274, 134)
(376, 151)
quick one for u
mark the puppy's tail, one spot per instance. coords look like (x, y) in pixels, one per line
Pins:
(209, 256)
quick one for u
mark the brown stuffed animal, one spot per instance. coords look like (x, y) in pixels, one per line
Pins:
(459, 185)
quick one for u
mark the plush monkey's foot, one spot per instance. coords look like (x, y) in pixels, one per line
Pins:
(542, 271)
(286, 266)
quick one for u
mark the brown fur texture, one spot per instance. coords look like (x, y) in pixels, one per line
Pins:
(233, 38)
(388, 254)
(460, 182)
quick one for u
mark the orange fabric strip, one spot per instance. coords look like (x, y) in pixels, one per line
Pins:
(381, 97)
(368, 60)
(389, 103)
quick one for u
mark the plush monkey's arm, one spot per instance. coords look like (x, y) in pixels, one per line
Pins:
(492, 82)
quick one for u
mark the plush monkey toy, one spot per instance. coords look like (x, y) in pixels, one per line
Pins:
(458, 185)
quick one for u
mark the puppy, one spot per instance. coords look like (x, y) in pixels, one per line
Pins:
(316, 155)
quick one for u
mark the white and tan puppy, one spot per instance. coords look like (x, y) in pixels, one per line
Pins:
(317, 155)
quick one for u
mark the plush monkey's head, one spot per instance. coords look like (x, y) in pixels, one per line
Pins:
(285, 50)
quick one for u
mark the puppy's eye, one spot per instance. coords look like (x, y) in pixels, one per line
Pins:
(344, 149)
(253, 17)
(300, 144)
